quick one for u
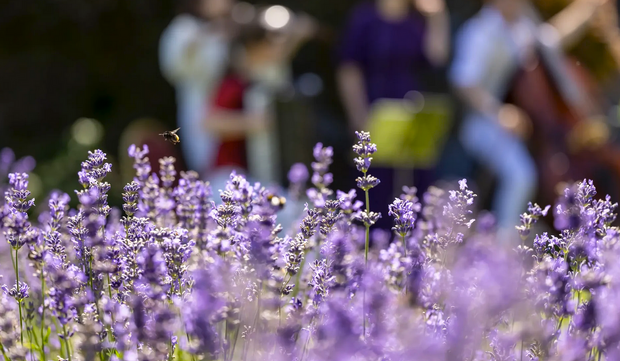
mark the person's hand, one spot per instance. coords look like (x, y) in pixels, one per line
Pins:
(605, 21)
(430, 7)
(305, 26)
(515, 120)
(597, 2)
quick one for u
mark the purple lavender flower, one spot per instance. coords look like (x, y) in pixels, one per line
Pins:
(226, 214)
(339, 335)
(310, 222)
(223, 272)
(368, 218)
(203, 311)
(141, 162)
(459, 203)
(323, 156)
(404, 214)
(177, 249)
(543, 244)
(534, 212)
(567, 211)
(19, 291)
(91, 176)
(298, 173)
(367, 182)
(297, 176)
(295, 254)
(166, 171)
(149, 195)
(330, 217)
(348, 202)
(321, 282)
(130, 197)
(321, 179)
(17, 228)
(364, 149)
(152, 282)
(242, 194)
(16, 196)
(65, 282)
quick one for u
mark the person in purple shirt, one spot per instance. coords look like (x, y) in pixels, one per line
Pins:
(386, 44)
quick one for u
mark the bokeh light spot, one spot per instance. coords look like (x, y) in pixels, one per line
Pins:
(277, 17)
(87, 131)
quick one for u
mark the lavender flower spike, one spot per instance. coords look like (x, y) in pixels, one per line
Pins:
(528, 219)
(404, 214)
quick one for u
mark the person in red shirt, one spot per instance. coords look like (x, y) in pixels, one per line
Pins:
(232, 150)
(228, 118)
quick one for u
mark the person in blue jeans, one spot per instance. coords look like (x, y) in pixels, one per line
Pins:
(505, 36)
(386, 45)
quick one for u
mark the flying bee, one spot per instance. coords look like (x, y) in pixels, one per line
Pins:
(276, 201)
(171, 136)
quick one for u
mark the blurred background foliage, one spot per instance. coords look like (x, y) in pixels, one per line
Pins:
(63, 60)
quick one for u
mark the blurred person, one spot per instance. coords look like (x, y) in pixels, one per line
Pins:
(229, 118)
(242, 112)
(386, 44)
(268, 68)
(194, 51)
(504, 38)
(235, 119)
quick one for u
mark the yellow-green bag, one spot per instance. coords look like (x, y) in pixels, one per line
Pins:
(410, 133)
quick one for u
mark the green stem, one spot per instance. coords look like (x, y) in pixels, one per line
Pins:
(12, 260)
(42, 351)
(30, 341)
(280, 300)
(232, 352)
(298, 276)
(6, 358)
(255, 324)
(64, 330)
(109, 288)
(367, 244)
(303, 353)
(405, 247)
(367, 229)
(19, 303)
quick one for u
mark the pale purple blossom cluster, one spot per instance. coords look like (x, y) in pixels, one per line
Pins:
(173, 276)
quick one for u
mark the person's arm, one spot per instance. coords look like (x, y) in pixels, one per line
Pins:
(479, 100)
(349, 73)
(437, 35)
(352, 90)
(467, 73)
(302, 29)
(572, 22)
(510, 117)
(607, 28)
(235, 124)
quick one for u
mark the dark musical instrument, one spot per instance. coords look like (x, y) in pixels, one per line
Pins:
(567, 143)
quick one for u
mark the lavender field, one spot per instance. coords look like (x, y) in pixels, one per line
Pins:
(186, 272)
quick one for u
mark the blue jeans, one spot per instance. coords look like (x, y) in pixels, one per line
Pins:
(509, 159)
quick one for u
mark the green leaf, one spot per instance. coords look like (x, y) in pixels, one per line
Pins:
(47, 335)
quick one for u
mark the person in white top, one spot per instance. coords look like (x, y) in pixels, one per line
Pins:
(193, 55)
(490, 48)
